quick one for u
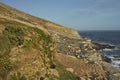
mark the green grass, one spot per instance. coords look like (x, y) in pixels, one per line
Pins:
(13, 35)
(5, 66)
(46, 38)
(52, 77)
(47, 41)
(4, 45)
(64, 74)
(31, 44)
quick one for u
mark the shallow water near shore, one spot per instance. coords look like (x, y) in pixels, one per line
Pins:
(106, 37)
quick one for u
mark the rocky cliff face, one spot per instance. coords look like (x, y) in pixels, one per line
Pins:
(32, 48)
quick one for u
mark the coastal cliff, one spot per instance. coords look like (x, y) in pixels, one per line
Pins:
(33, 48)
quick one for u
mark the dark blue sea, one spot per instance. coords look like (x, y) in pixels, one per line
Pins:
(106, 37)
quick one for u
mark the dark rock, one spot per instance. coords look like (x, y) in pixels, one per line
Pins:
(99, 46)
(52, 66)
(116, 56)
(41, 78)
(112, 72)
(78, 78)
(106, 59)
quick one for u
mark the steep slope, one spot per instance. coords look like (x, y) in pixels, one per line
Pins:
(27, 53)
(24, 49)
(32, 48)
(27, 50)
(12, 13)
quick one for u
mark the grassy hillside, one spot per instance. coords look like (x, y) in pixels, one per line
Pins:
(32, 48)
(16, 34)
(27, 53)
(12, 13)
(27, 50)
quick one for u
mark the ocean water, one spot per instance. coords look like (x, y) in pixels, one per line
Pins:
(106, 37)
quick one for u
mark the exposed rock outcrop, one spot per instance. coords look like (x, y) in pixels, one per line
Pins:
(99, 46)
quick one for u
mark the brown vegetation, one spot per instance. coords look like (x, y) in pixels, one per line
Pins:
(82, 67)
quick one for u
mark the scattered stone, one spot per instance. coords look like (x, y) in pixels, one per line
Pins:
(69, 46)
(99, 46)
(82, 49)
(42, 78)
(52, 66)
(70, 69)
(51, 48)
(107, 59)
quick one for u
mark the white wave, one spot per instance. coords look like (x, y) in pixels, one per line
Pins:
(111, 57)
(106, 49)
(117, 48)
(116, 63)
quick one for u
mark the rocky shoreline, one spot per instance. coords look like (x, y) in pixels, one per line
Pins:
(85, 49)
(100, 46)
(42, 50)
